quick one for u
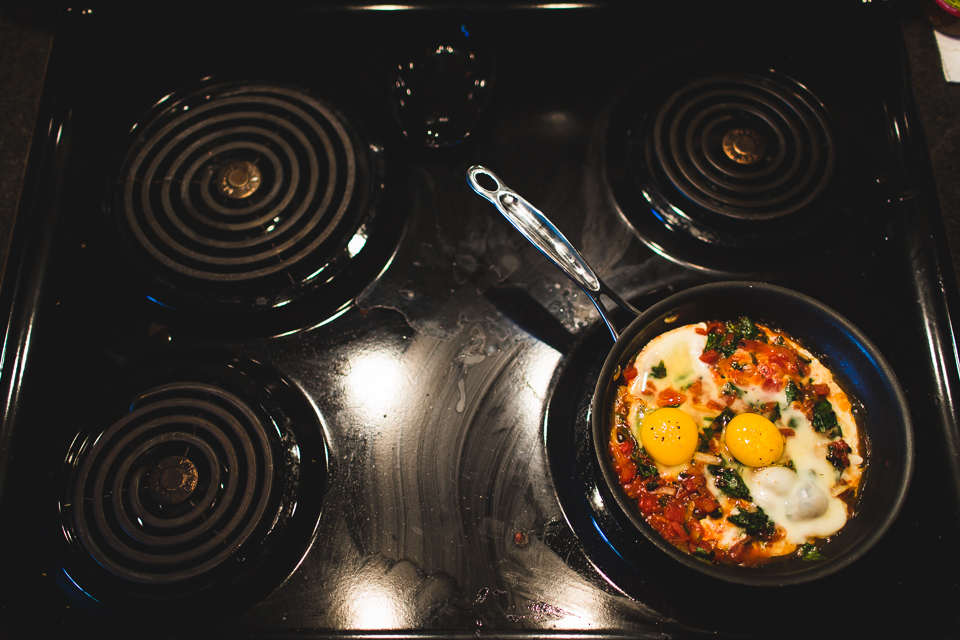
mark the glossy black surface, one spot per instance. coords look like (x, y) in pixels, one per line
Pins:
(455, 502)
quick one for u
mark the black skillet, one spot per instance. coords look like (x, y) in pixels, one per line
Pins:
(859, 368)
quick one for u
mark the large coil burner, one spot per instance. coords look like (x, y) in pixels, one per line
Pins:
(722, 160)
(203, 484)
(240, 196)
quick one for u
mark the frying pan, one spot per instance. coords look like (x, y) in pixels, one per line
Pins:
(858, 366)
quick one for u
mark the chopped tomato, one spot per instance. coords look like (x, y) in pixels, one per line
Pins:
(674, 511)
(648, 504)
(635, 488)
(771, 384)
(695, 390)
(695, 529)
(679, 532)
(623, 465)
(706, 504)
(670, 397)
(713, 326)
(711, 356)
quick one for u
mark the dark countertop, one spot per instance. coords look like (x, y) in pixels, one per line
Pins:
(25, 39)
(24, 47)
(938, 102)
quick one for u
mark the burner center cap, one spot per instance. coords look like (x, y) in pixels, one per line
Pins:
(744, 146)
(172, 480)
(238, 179)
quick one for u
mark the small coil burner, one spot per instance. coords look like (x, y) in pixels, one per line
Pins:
(721, 161)
(207, 481)
(240, 196)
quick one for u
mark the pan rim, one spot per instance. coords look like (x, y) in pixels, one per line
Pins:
(792, 571)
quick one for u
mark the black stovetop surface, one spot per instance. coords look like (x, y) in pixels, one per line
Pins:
(423, 393)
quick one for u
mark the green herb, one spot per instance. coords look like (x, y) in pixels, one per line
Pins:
(729, 481)
(755, 523)
(825, 420)
(810, 552)
(659, 371)
(838, 454)
(721, 420)
(736, 366)
(705, 436)
(792, 392)
(774, 414)
(730, 389)
(715, 342)
(700, 552)
(726, 343)
(743, 328)
(645, 466)
(647, 470)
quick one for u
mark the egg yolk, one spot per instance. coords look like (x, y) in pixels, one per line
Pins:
(669, 435)
(753, 440)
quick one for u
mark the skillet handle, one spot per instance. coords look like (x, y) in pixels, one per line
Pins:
(536, 228)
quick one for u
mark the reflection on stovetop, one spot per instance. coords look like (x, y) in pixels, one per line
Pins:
(274, 368)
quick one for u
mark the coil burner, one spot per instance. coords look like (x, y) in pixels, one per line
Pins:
(721, 161)
(236, 197)
(196, 492)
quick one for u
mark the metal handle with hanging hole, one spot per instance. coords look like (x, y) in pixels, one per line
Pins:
(536, 228)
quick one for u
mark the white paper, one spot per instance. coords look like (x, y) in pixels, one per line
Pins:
(949, 56)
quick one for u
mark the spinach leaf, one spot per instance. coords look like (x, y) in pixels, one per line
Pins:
(730, 389)
(659, 371)
(704, 437)
(810, 552)
(825, 420)
(726, 343)
(729, 481)
(646, 468)
(792, 392)
(714, 342)
(774, 413)
(755, 523)
(700, 552)
(721, 420)
(742, 328)
(838, 454)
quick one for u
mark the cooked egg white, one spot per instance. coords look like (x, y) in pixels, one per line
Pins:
(679, 352)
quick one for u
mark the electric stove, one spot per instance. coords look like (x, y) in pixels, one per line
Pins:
(272, 368)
